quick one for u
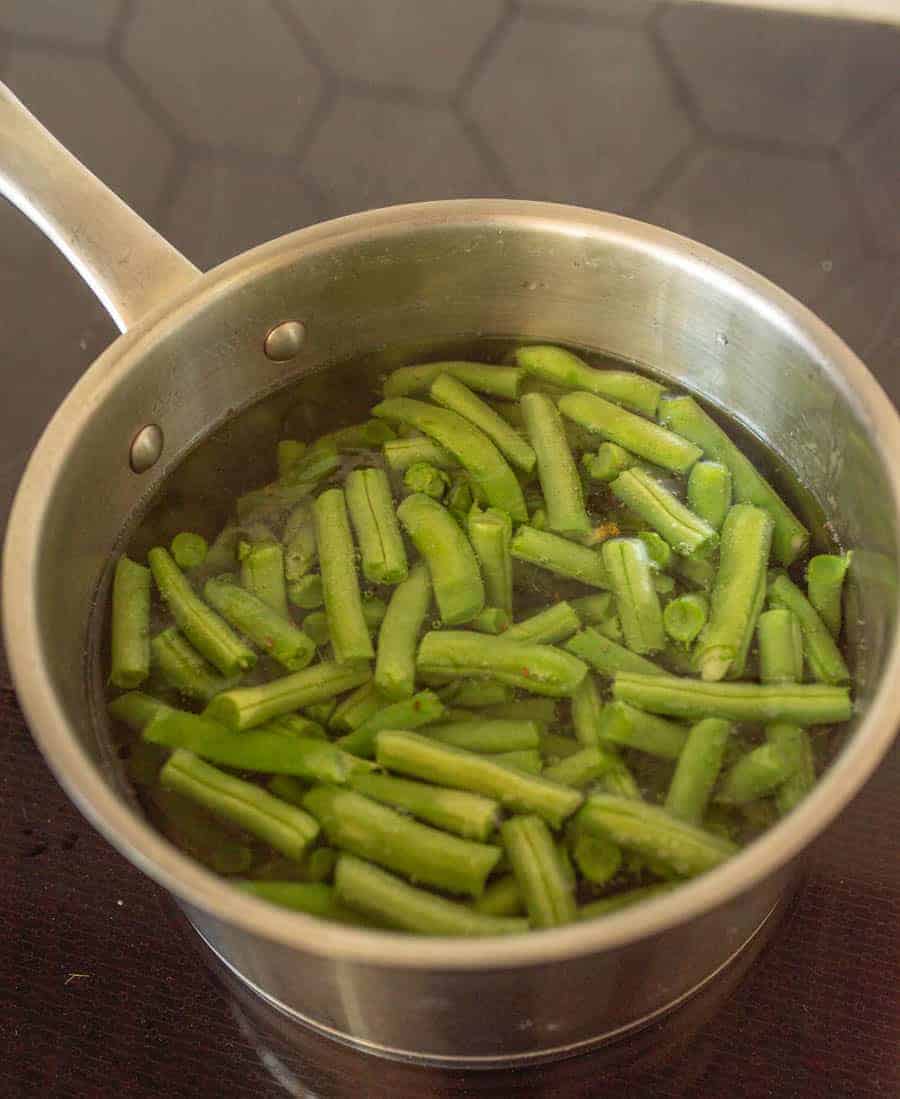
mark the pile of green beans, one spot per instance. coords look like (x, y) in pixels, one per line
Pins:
(534, 642)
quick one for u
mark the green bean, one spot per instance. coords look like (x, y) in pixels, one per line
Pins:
(490, 533)
(561, 368)
(205, 630)
(597, 857)
(780, 646)
(692, 699)
(606, 906)
(375, 892)
(183, 669)
(696, 571)
(824, 584)
(606, 657)
(555, 623)
(267, 750)
(395, 663)
(497, 381)
(468, 815)
(340, 583)
(312, 467)
(448, 391)
(315, 626)
(196, 831)
(501, 897)
(262, 574)
(365, 436)
(738, 594)
(424, 477)
(299, 543)
(632, 728)
(286, 828)
(658, 548)
(822, 654)
(262, 625)
(627, 565)
(270, 502)
(136, 709)
(681, 528)
(492, 620)
(297, 725)
(560, 556)
(453, 567)
(313, 898)
(307, 592)
(642, 437)
(423, 758)
(525, 759)
(608, 462)
(289, 789)
(497, 735)
(684, 415)
(794, 746)
(130, 645)
(542, 710)
(594, 609)
(376, 832)
(697, 770)
(653, 833)
(480, 692)
(544, 887)
(709, 492)
(321, 711)
(371, 508)
(425, 708)
(538, 669)
(356, 708)
(753, 776)
(288, 453)
(581, 768)
(401, 454)
(685, 616)
(461, 499)
(246, 707)
(189, 550)
(560, 483)
(587, 708)
(470, 446)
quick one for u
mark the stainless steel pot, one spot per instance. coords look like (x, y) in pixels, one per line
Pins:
(195, 351)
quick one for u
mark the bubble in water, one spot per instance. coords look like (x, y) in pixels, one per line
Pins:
(721, 339)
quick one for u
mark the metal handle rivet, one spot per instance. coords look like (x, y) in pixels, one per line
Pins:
(284, 341)
(146, 448)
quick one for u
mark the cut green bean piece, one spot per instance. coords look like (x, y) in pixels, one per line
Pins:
(560, 483)
(642, 437)
(593, 609)
(246, 707)
(501, 897)
(606, 906)
(321, 711)
(580, 769)
(587, 709)
(627, 565)
(425, 708)
(709, 492)
(315, 626)
(692, 699)
(597, 857)
(824, 585)
(266, 628)
(288, 453)
(492, 620)
(738, 594)
(365, 436)
(424, 477)
(780, 646)
(376, 832)
(299, 543)
(356, 708)
(681, 528)
(542, 710)
(420, 757)
(307, 592)
(490, 533)
(468, 815)
(189, 550)
(481, 692)
(754, 776)
(538, 669)
(607, 462)
(289, 789)
(559, 367)
(697, 770)
(313, 898)
(136, 709)
(183, 669)
(545, 888)
(340, 584)
(696, 571)
(555, 623)
(317, 463)
(497, 735)
(822, 654)
(653, 833)
(206, 631)
(606, 657)
(795, 747)
(286, 828)
(560, 556)
(556, 747)
(297, 725)
(496, 381)
(685, 616)
(632, 728)
(378, 534)
(658, 548)
(130, 645)
(395, 662)
(390, 900)
(451, 393)
(525, 759)
(262, 574)
(684, 415)
(401, 454)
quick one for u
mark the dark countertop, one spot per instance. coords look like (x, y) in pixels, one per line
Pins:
(775, 138)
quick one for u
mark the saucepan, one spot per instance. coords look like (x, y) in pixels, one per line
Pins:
(180, 405)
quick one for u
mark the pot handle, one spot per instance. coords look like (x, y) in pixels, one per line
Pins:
(127, 264)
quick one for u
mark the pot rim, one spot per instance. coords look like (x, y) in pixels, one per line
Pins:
(134, 837)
